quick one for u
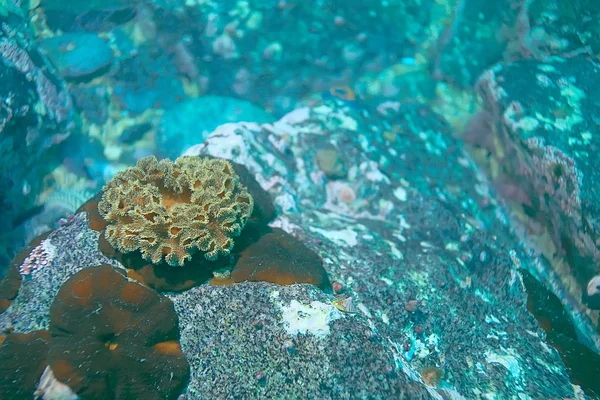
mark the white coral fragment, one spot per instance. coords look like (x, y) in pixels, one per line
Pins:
(311, 319)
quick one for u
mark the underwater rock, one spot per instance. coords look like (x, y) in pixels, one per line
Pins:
(192, 120)
(471, 42)
(92, 102)
(414, 230)
(283, 342)
(546, 27)
(77, 55)
(432, 303)
(483, 33)
(145, 81)
(35, 115)
(543, 120)
(134, 133)
(253, 49)
(91, 15)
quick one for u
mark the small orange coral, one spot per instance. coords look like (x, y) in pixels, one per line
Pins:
(174, 209)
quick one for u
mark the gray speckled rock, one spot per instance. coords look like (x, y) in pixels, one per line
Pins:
(259, 340)
(411, 233)
(412, 221)
(67, 250)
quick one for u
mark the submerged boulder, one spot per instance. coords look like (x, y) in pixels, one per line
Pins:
(426, 296)
(541, 125)
(77, 55)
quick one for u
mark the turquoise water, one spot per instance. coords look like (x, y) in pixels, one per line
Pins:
(292, 199)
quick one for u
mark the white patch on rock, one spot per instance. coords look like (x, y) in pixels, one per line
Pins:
(344, 237)
(370, 170)
(389, 282)
(593, 287)
(397, 254)
(284, 223)
(365, 310)
(231, 141)
(311, 319)
(296, 116)
(269, 159)
(509, 362)
(286, 202)
(400, 193)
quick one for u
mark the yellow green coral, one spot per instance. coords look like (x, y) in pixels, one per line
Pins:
(174, 209)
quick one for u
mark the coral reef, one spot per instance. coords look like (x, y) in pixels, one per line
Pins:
(244, 232)
(126, 337)
(90, 207)
(418, 248)
(173, 209)
(162, 277)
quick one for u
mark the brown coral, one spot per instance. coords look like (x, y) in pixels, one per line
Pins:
(115, 339)
(278, 257)
(161, 276)
(95, 220)
(174, 209)
(22, 361)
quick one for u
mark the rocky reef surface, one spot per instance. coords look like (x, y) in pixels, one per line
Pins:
(431, 164)
(427, 299)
